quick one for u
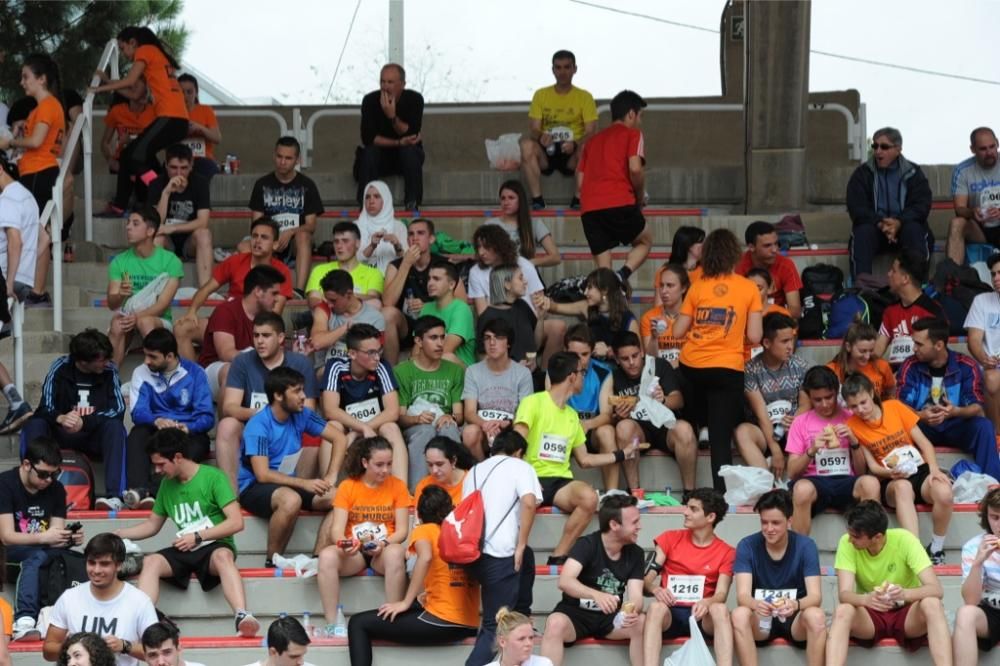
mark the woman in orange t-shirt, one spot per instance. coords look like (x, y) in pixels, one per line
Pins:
(889, 432)
(203, 128)
(857, 354)
(447, 462)
(721, 311)
(44, 132)
(150, 60)
(371, 520)
(685, 250)
(126, 119)
(657, 326)
(449, 610)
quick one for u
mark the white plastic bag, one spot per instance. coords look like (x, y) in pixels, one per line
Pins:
(692, 653)
(970, 487)
(421, 405)
(504, 153)
(304, 566)
(147, 296)
(744, 485)
(647, 409)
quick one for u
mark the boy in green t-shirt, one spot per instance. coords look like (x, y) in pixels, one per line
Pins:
(430, 394)
(129, 273)
(887, 588)
(200, 501)
(460, 341)
(553, 432)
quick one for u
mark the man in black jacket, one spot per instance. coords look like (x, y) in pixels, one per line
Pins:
(888, 199)
(82, 409)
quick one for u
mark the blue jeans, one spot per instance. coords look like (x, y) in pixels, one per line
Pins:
(107, 440)
(32, 559)
(974, 435)
(500, 586)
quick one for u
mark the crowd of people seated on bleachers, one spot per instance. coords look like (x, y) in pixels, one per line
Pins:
(412, 386)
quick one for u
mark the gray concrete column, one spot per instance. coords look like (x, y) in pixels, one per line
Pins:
(776, 92)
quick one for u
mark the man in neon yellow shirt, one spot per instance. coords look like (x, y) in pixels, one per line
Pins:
(368, 282)
(887, 588)
(553, 432)
(561, 118)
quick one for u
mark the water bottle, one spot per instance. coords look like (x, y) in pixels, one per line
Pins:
(765, 622)
(340, 628)
(406, 303)
(307, 624)
(619, 620)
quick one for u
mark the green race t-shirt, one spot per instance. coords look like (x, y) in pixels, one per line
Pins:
(442, 387)
(553, 433)
(898, 562)
(142, 270)
(204, 496)
(457, 318)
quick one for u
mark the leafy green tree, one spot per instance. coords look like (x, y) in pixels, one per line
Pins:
(74, 33)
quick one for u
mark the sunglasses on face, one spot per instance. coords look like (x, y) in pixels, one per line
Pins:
(882, 146)
(46, 475)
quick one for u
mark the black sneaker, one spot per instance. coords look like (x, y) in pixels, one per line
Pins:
(537, 203)
(15, 418)
(37, 299)
(937, 557)
(299, 293)
(574, 203)
(556, 560)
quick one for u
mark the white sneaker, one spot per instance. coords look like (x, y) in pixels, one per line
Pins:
(109, 504)
(25, 630)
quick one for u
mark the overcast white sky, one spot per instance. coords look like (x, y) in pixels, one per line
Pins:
(499, 50)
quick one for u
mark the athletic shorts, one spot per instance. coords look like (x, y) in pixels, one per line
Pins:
(586, 623)
(916, 481)
(558, 161)
(680, 627)
(257, 498)
(550, 486)
(992, 627)
(179, 241)
(890, 624)
(832, 492)
(657, 437)
(991, 234)
(608, 228)
(782, 630)
(184, 563)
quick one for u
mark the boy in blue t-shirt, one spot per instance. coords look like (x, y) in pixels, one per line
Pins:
(269, 453)
(778, 585)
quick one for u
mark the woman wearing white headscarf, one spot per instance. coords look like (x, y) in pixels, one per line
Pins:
(383, 237)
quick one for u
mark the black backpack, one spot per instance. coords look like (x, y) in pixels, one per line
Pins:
(961, 283)
(822, 284)
(65, 569)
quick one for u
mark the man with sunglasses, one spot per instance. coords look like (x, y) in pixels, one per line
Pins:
(888, 199)
(33, 526)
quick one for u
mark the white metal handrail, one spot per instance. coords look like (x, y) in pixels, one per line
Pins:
(855, 129)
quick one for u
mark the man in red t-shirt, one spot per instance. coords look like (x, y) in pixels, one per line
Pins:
(690, 576)
(190, 329)
(762, 252)
(612, 184)
(907, 275)
(230, 328)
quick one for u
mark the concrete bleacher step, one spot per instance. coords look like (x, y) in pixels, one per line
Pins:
(226, 651)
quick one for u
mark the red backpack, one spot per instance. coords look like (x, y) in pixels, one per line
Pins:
(77, 477)
(461, 539)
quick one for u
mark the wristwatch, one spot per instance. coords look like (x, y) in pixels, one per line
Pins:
(855, 447)
(197, 538)
(126, 646)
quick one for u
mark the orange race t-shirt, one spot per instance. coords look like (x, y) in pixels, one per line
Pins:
(50, 112)
(685, 558)
(8, 616)
(719, 308)
(455, 491)
(604, 165)
(657, 322)
(127, 124)
(891, 432)
(168, 99)
(877, 370)
(376, 505)
(200, 146)
(451, 594)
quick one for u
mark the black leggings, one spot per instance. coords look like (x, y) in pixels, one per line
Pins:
(40, 185)
(408, 629)
(718, 394)
(139, 156)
